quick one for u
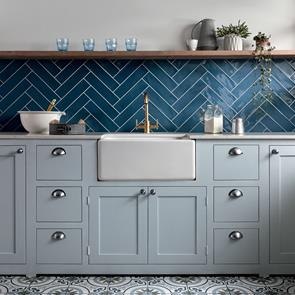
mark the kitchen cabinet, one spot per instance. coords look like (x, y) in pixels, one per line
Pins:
(118, 225)
(119, 219)
(177, 225)
(282, 204)
(12, 204)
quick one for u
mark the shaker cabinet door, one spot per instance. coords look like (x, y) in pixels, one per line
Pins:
(118, 225)
(177, 225)
(282, 204)
(12, 204)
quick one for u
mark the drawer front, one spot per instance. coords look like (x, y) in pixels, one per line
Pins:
(59, 162)
(59, 246)
(53, 204)
(236, 246)
(236, 162)
(236, 204)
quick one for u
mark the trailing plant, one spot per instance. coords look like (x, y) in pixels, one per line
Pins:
(241, 29)
(262, 52)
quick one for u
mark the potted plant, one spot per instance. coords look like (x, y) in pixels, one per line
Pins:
(233, 35)
(262, 52)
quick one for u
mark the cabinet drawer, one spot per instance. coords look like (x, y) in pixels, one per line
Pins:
(229, 248)
(53, 204)
(236, 162)
(236, 204)
(56, 162)
(54, 248)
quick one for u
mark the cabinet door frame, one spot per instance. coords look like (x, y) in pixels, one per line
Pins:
(200, 254)
(276, 253)
(19, 160)
(96, 194)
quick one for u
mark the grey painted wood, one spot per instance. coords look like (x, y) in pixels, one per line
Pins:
(12, 205)
(52, 208)
(177, 225)
(117, 225)
(66, 251)
(236, 167)
(282, 204)
(236, 209)
(243, 251)
(62, 167)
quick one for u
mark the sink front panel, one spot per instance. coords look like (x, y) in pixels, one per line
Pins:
(146, 159)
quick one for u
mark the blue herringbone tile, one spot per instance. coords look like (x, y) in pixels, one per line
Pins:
(109, 94)
(137, 75)
(160, 74)
(93, 95)
(10, 83)
(188, 81)
(101, 88)
(68, 68)
(127, 70)
(70, 83)
(132, 94)
(42, 87)
(161, 89)
(220, 74)
(43, 74)
(101, 74)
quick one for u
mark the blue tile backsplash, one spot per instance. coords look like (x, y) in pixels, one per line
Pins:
(108, 95)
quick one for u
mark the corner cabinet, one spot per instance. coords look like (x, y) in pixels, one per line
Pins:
(147, 225)
(282, 204)
(12, 204)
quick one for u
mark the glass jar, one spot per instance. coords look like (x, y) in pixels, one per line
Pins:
(213, 119)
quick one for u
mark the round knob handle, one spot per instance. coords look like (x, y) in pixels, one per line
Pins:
(153, 192)
(58, 193)
(58, 236)
(235, 151)
(275, 151)
(58, 151)
(142, 191)
(235, 235)
(235, 193)
(20, 151)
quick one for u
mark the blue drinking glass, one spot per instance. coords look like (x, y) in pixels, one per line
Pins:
(62, 44)
(131, 43)
(111, 44)
(89, 44)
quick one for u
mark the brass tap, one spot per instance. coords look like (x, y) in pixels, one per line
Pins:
(146, 125)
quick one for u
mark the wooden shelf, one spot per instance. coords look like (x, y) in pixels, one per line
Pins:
(206, 54)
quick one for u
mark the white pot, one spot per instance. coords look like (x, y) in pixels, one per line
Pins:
(38, 121)
(233, 42)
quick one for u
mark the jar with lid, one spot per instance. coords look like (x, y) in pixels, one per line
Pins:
(213, 119)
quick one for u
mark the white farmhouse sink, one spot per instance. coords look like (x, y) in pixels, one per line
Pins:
(154, 156)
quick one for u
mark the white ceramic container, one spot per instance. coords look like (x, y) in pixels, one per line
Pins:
(38, 121)
(233, 43)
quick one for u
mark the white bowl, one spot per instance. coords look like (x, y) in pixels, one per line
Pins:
(38, 122)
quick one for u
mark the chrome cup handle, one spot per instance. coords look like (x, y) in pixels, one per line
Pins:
(58, 236)
(58, 151)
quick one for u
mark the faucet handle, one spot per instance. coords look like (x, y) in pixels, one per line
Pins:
(156, 125)
(137, 125)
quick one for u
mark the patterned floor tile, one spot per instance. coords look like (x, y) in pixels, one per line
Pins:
(147, 285)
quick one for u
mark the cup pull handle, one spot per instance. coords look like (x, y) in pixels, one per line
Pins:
(58, 151)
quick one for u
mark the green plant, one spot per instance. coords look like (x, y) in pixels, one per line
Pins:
(241, 29)
(262, 52)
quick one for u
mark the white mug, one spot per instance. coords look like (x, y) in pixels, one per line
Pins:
(192, 44)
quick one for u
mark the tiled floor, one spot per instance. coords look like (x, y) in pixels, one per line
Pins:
(140, 285)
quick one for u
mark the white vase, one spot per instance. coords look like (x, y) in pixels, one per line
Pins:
(233, 42)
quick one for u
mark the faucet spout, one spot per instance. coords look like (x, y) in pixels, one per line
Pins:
(146, 126)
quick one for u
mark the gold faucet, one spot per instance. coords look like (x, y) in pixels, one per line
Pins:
(146, 126)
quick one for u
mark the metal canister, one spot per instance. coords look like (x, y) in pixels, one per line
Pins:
(238, 126)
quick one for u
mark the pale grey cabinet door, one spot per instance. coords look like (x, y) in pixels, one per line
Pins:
(117, 225)
(177, 225)
(12, 205)
(282, 204)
